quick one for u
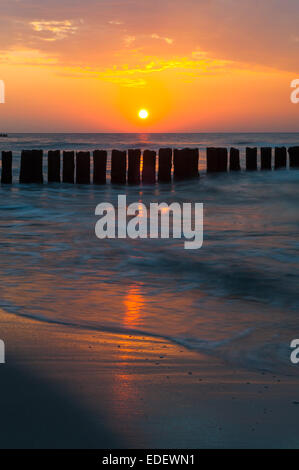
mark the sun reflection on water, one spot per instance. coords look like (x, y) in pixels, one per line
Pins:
(134, 302)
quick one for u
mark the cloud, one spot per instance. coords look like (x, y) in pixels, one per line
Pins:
(251, 31)
(116, 22)
(137, 75)
(168, 40)
(26, 57)
(128, 40)
(55, 30)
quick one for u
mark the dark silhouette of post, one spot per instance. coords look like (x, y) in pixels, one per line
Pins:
(83, 168)
(251, 158)
(294, 157)
(149, 167)
(99, 166)
(26, 166)
(31, 170)
(234, 159)
(134, 166)
(38, 166)
(217, 159)
(222, 159)
(212, 159)
(266, 158)
(179, 164)
(193, 165)
(280, 158)
(6, 173)
(185, 163)
(68, 167)
(118, 167)
(165, 164)
(54, 166)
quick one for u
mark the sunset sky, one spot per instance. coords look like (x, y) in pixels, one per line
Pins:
(195, 65)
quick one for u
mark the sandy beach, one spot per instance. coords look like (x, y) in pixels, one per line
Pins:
(64, 388)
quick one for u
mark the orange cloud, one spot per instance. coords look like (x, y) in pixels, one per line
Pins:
(167, 40)
(57, 29)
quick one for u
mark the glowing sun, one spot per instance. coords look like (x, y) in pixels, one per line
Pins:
(143, 114)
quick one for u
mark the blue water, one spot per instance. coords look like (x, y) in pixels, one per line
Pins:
(236, 297)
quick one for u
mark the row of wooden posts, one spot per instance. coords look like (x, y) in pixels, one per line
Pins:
(125, 166)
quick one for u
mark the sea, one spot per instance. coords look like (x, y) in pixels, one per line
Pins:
(235, 298)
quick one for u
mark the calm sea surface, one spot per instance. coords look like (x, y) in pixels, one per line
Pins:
(236, 297)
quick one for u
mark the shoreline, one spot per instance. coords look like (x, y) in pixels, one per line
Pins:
(103, 390)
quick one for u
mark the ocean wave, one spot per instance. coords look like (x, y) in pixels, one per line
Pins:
(272, 357)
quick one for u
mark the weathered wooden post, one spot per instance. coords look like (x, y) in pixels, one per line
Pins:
(134, 166)
(179, 164)
(212, 159)
(99, 166)
(118, 167)
(68, 167)
(222, 159)
(266, 158)
(280, 157)
(234, 159)
(149, 167)
(185, 162)
(6, 174)
(38, 166)
(294, 157)
(31, 170)
(26, 167)
(54, 166)
(251, 158)
(83, 168)
(165, 164)
(217, 159)
(194, 157)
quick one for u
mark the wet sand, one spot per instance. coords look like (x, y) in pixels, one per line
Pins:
(62, 387)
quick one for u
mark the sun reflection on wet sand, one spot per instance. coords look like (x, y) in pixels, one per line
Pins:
(134, 302)
(125, 390)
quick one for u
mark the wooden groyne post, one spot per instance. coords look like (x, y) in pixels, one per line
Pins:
(280, 157)
(179, 166)
(54, 166)
(149, 167)
(251, 158)
(217, 159)
(192, 159)
(99, 166)
(134, 156)
(6, 173)
(83, 167)
(234, 159)
(185, 163)
(212, 160)
(294, 157)
(165, 165)
(118, 167)
(266, 158)
(68, 171)
(31, 170)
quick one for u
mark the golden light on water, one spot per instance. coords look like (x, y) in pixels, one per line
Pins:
(134, 302)
(143, 114)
